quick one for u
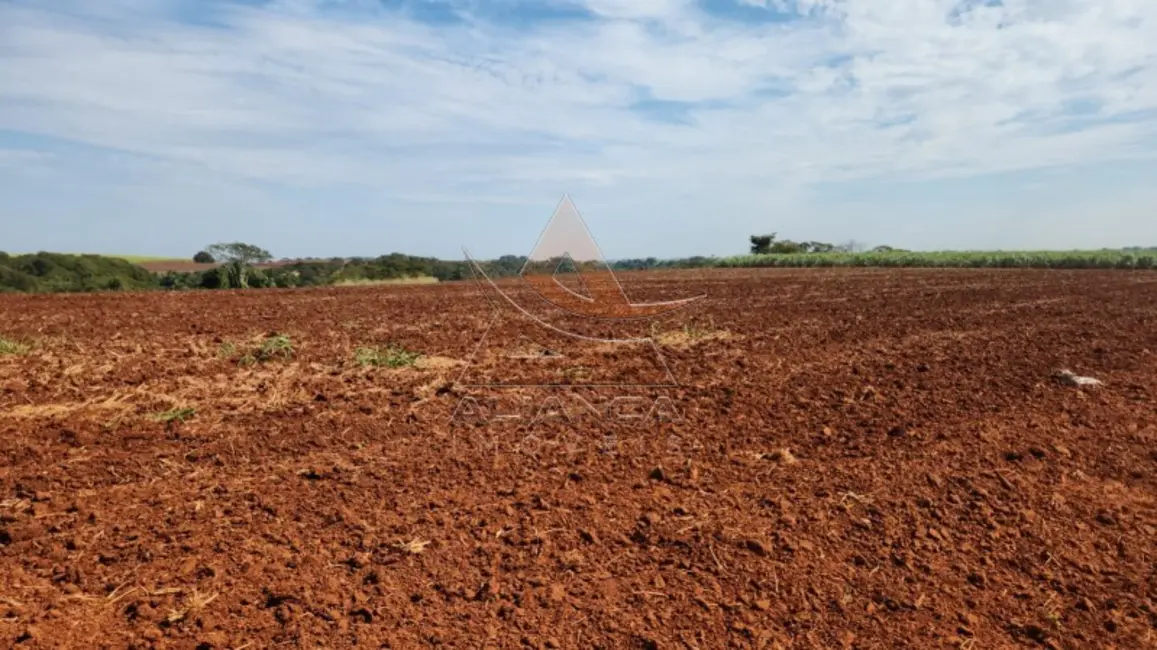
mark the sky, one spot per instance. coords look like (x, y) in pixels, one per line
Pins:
(678, 127)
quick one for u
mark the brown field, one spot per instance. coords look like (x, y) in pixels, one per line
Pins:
(856, 459)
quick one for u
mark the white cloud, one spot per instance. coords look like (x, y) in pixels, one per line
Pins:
(293, 94)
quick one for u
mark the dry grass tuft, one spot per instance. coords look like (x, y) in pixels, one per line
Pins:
(197, 602)
(413, 547)
(690, 334)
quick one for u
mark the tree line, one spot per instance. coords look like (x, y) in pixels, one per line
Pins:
(57, 272)
(771, 245)
(239, 265)
(243, 265)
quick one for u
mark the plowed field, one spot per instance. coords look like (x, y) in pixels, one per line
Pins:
(844, 459)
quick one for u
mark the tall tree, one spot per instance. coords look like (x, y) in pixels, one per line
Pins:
(238, 258)
(761, 244)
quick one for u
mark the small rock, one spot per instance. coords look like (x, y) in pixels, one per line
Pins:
(1066, 376)
(657, 474)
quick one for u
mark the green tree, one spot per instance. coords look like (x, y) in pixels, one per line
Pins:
(203, 257)
(238, 258)
(761, 244)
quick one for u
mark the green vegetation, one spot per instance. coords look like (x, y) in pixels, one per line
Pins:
(10, 347)
(769, 245)
(175, 415)
(244, 266)
(53, 272)
(1108, 259)
(392, 356)
(273, 346)
(767, 250)
(267, 348)
(237, 260)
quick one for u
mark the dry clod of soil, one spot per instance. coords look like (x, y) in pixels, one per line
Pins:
(781, 456)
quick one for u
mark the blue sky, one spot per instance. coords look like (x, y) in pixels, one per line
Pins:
(679, 127)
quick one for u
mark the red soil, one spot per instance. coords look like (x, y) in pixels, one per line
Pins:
(938, 490)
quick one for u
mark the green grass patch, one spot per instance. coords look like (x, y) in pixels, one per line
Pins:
(269, 348)
(955, 259)
(275, 346)
(175, 415)
(10, 347)
(391, 356)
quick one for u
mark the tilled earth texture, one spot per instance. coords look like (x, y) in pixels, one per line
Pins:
(802, 459)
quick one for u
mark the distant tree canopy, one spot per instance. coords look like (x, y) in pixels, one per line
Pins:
(238, 252)
(53, 272)
(56, 272)
(238, 259)
(769, 245)
(203, 257)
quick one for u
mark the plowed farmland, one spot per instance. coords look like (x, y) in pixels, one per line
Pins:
(849, 459)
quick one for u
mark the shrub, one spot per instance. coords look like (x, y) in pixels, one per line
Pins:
(58, 272)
